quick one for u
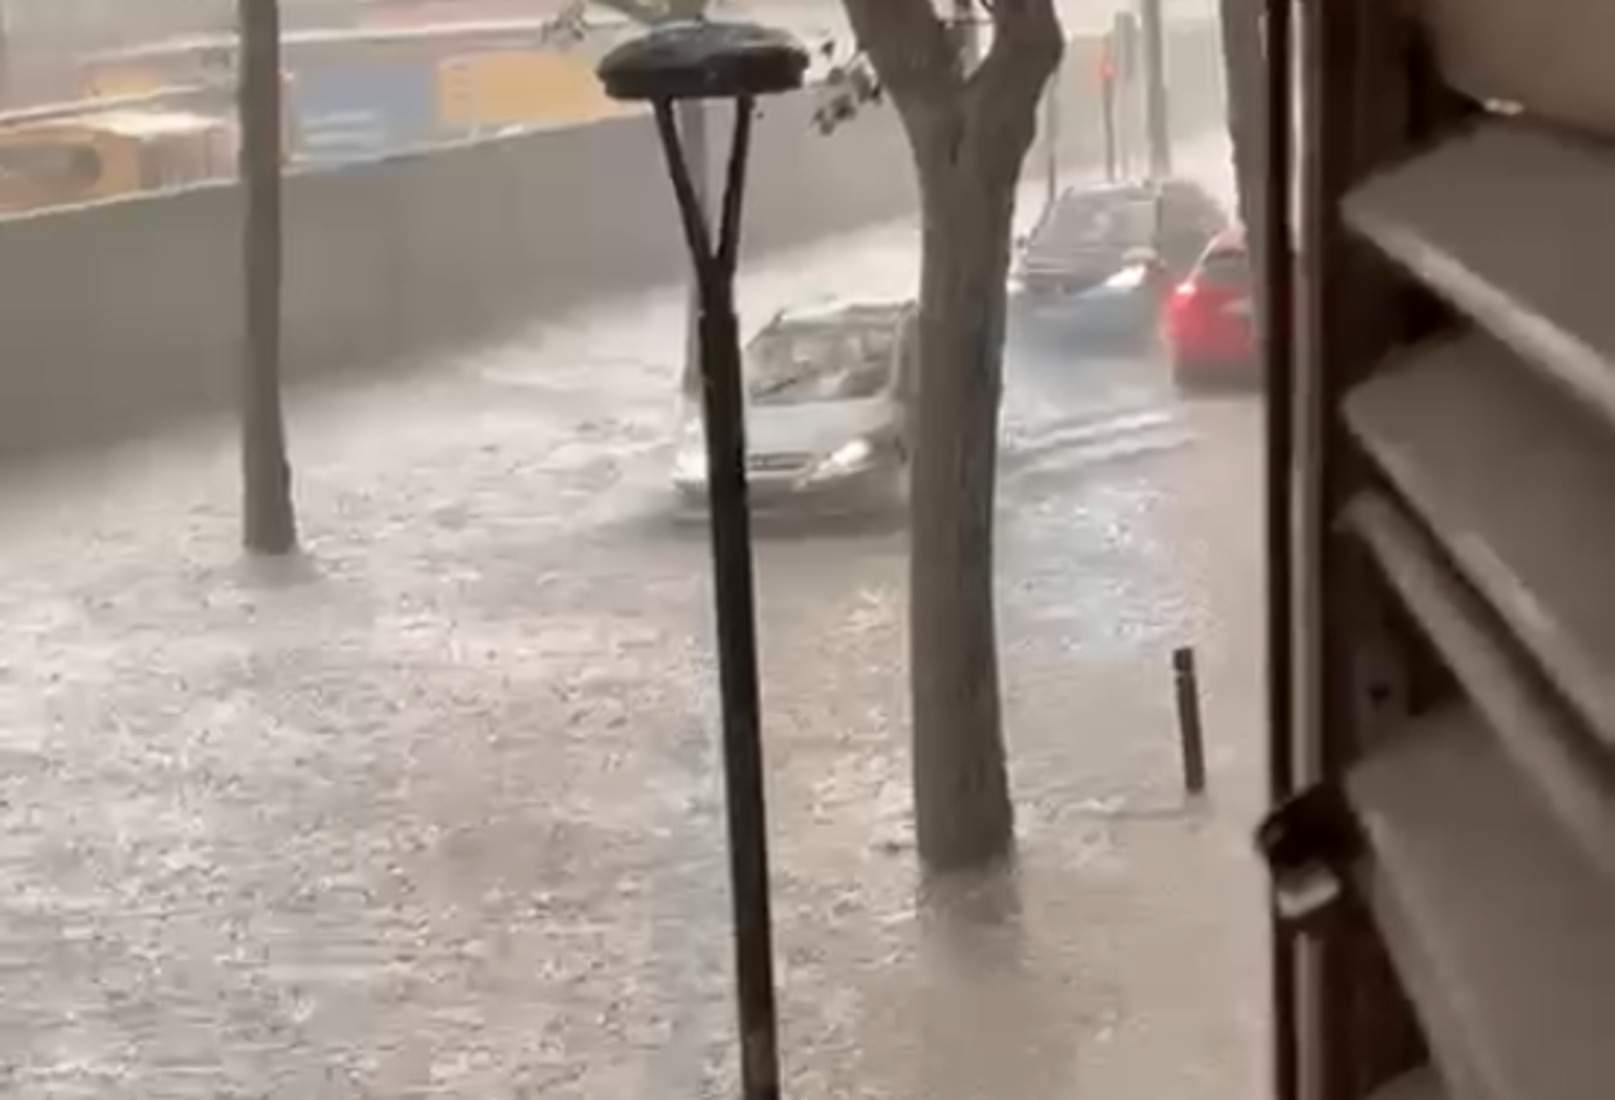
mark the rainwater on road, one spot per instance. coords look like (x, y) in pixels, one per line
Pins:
(435, 810)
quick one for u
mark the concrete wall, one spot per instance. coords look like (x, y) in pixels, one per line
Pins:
(117, 317)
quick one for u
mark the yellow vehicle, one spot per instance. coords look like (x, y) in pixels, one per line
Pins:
(85, 158)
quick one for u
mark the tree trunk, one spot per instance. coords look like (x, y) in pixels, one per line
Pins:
(961, 789)
(5, 54)
(967, 34)
(1247, 111)
(969, 127)
(1157, 124)
(269, 526)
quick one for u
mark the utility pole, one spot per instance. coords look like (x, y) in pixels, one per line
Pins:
(1051, 138)
(1124, 57)
(269, 525)
(1157, 128)
(1107, 104)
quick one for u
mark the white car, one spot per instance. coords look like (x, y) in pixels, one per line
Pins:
(826, 405)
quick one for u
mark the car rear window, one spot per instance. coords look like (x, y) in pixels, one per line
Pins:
(1103, 219)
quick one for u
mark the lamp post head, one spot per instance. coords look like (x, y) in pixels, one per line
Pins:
(701, 60)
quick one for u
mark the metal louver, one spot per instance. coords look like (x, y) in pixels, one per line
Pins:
(1473, 472)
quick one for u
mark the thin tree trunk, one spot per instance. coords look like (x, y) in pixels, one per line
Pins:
(966, 32)
(1247, 111)
(1157, 123)
(969, 127)
(963, 810)
(269, 525)
(5, 53)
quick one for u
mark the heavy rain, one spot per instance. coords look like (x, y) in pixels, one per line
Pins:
(434, 806)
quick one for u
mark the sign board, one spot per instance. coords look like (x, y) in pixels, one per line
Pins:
(500, 88)
(361, 108)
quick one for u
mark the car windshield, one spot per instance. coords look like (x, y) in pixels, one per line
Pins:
(797, 365)
(1098, 219)
(1226, 267)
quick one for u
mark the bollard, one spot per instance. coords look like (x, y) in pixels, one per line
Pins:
(1189, 733)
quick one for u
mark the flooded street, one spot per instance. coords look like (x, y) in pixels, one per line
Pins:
(437, 809)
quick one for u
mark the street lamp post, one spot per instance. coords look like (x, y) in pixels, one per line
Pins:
(701, 60)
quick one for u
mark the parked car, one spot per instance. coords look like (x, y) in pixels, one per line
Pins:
(1086, 236)
(1102, 257)
(1210, 322)
(1188, 218)
(826, 411)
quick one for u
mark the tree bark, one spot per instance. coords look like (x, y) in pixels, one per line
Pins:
(5, 54)
(1157, 124)
(967, 35)
(969, 128)
(1247, 111)
(269, 524)
(963, 812)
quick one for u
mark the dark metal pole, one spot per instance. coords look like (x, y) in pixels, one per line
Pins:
(732, 579)
(269, 522)
(1278, 318)
(692, 119)
(1190, 735)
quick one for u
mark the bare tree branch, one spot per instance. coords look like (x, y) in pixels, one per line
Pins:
(653, 12)
(1027, 44)
(910, 48)
(1003, 93)
(647, 12)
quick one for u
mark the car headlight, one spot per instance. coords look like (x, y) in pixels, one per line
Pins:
(846, 459)
(1130, 277)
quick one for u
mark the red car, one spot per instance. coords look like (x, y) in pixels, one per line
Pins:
(1210, 323)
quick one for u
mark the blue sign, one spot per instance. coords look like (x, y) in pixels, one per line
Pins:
(362, 108)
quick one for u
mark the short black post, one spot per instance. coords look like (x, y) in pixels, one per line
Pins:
(1189, 732)
(699, 60)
